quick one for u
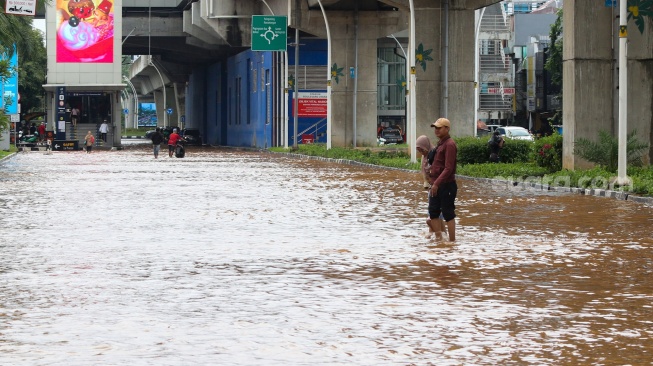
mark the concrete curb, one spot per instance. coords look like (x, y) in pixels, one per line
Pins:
(132, 137)
(619, 195)
(7, 157)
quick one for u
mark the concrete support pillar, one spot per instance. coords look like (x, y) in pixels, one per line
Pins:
(346, 44)
(179, 106)
(430, 34)
(590, 74)
(161, 109)
(640, 84)
(116, 126)
(344, 56)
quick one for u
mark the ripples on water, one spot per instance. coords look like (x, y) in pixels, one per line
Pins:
(240, 258)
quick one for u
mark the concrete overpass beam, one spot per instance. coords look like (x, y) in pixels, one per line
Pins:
(143, 26)
(472, 4)
(404, 5)
(232, 20)
(196, 26)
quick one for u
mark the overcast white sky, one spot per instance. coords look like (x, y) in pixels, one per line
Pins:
(39, 24)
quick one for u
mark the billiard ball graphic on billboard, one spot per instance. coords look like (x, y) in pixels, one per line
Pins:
(85, 31)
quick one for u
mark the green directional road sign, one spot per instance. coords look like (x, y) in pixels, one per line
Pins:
(269, 33)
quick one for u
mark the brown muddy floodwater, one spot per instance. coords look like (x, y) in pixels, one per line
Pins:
(228, 257)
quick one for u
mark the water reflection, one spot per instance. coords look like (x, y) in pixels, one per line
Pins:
(240, 258)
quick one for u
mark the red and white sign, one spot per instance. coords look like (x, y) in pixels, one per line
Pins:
(20, 7)
(508, 91)
(312, 104)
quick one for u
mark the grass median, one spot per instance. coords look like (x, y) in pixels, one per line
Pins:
(398, 156)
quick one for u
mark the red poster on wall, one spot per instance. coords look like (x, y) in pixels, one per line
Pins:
(312, 104)
(85, 31)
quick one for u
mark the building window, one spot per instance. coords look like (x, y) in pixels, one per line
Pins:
(391, 71)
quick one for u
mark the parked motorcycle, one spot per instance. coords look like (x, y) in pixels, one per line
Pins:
(180, 148)
(29, 139)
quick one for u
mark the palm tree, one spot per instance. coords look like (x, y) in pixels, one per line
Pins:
(16, 33)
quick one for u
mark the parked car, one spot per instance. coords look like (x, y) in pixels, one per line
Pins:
(493, 128)
(515, 133)
(149, 133)
(192, 136)
(391, 136)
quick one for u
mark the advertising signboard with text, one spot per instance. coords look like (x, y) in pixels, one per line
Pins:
(312, 104)
(20, 7)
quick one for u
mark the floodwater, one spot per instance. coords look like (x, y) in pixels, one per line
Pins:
(231, 257)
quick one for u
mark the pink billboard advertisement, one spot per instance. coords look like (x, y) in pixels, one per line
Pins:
(85, 31)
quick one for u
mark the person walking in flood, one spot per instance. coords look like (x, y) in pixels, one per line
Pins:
(442, 175)
(157, 139)
(172, 141)
(426, 149)
(89, 140)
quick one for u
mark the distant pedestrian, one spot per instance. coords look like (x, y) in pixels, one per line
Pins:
(74, 116)
(157, 139)
(41, 130)
(104, 129)
(442, 175)
(89, 140)
(495, 143)
(32, 129)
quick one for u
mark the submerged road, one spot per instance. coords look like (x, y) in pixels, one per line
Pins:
(241, 258)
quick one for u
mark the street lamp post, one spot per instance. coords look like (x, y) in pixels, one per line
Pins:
(412, 94)
(622, 178)
(163, 86)
(326, 22)
(135, 111)
(477, 67)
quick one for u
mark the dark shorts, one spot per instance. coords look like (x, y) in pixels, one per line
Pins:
(171, 148)
(89, 148)
(443, 203)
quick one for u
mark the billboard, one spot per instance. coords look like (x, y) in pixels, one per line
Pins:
(85, 31)
(10, 86)
(147, 115)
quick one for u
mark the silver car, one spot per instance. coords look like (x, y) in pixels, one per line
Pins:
(515, 133)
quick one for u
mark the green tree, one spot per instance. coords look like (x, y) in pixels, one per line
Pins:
(554, 62)
(32, 66)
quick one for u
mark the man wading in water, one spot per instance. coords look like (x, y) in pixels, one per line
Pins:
(442, 175)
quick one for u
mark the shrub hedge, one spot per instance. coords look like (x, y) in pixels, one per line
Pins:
(474, 150)
(548, 152)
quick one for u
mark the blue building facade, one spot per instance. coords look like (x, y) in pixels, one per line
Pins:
(237, 102)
